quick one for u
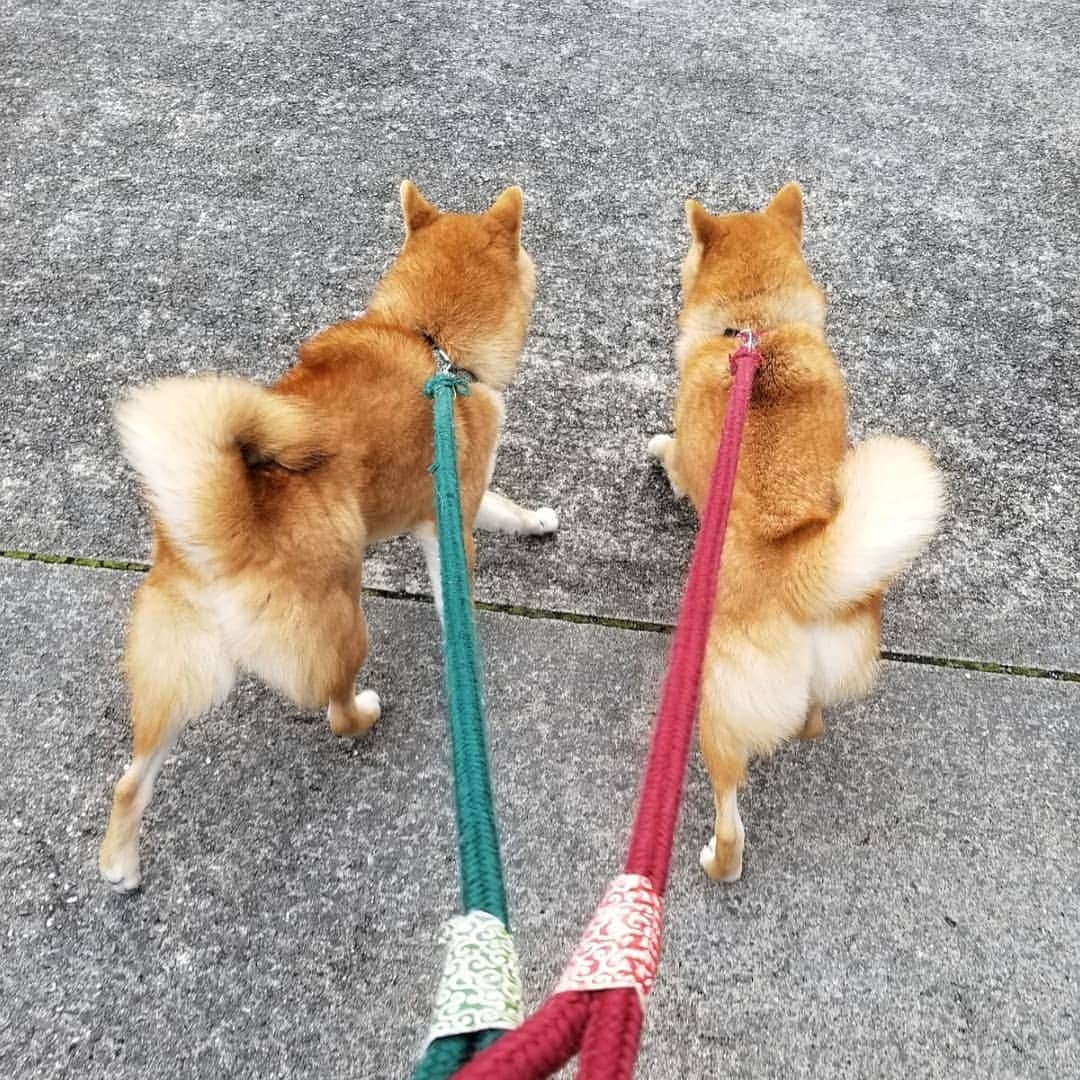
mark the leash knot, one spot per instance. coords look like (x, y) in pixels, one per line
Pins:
(457, 381)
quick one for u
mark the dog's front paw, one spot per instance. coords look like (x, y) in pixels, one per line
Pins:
(662, 448)
(658, 446)
(545, 520)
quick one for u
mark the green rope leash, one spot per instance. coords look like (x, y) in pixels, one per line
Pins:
(480, 941)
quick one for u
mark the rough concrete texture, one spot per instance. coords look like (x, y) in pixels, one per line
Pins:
(908, 906)
(189, 186)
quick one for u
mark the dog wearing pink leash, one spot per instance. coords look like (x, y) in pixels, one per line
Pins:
(817, 529)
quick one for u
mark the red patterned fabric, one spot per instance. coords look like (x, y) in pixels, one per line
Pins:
(621, 945)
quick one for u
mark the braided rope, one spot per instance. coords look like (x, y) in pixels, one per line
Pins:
(605, 1025)
(482, 885)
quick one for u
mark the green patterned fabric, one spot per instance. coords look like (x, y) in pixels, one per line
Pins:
(481, 984)
(482, 889)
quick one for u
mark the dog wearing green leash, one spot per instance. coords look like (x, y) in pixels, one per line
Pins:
(262, 500)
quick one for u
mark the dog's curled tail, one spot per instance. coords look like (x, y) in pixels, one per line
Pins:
(197, 444)
(892, 501)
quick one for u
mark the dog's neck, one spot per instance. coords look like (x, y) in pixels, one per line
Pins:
(489, 362)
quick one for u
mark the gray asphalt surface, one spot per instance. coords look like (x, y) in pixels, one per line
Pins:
(198, 186)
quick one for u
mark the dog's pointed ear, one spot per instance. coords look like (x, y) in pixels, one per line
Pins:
(506, 210)
(702, 223)
(415, 209)
(787, 207)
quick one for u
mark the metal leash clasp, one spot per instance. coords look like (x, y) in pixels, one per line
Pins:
(442, 361)
(750, 340)
(749, 348)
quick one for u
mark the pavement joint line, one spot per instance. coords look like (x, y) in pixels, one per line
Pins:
(954, 663)
(76, 560)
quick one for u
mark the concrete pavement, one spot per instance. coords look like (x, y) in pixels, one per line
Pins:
(194, 186)
(908, 905)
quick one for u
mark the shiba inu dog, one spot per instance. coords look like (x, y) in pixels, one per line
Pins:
(263, 499)
(817, 530)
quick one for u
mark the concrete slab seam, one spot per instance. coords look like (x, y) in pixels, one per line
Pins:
(955, 663)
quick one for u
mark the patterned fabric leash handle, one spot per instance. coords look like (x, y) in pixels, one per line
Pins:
(479, 995)
(598, 1006)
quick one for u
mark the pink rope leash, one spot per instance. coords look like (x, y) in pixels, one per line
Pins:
(604, 1024)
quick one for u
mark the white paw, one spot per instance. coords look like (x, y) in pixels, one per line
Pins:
(658, 445)
(357, 721)
(367, 701)
(708, 863)
(708, 854)
(121, 869)
(547, 521)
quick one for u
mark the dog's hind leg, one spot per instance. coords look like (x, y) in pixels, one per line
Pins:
(814, 725)
(351, 714)
(177, 667)
(722, 857)
(845, 659)
(497, 513)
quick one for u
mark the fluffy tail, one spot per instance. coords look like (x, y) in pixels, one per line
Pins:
(892, 500)
(194, 444)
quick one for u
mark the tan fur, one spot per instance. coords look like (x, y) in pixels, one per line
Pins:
(263, 500)
(817, 530)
